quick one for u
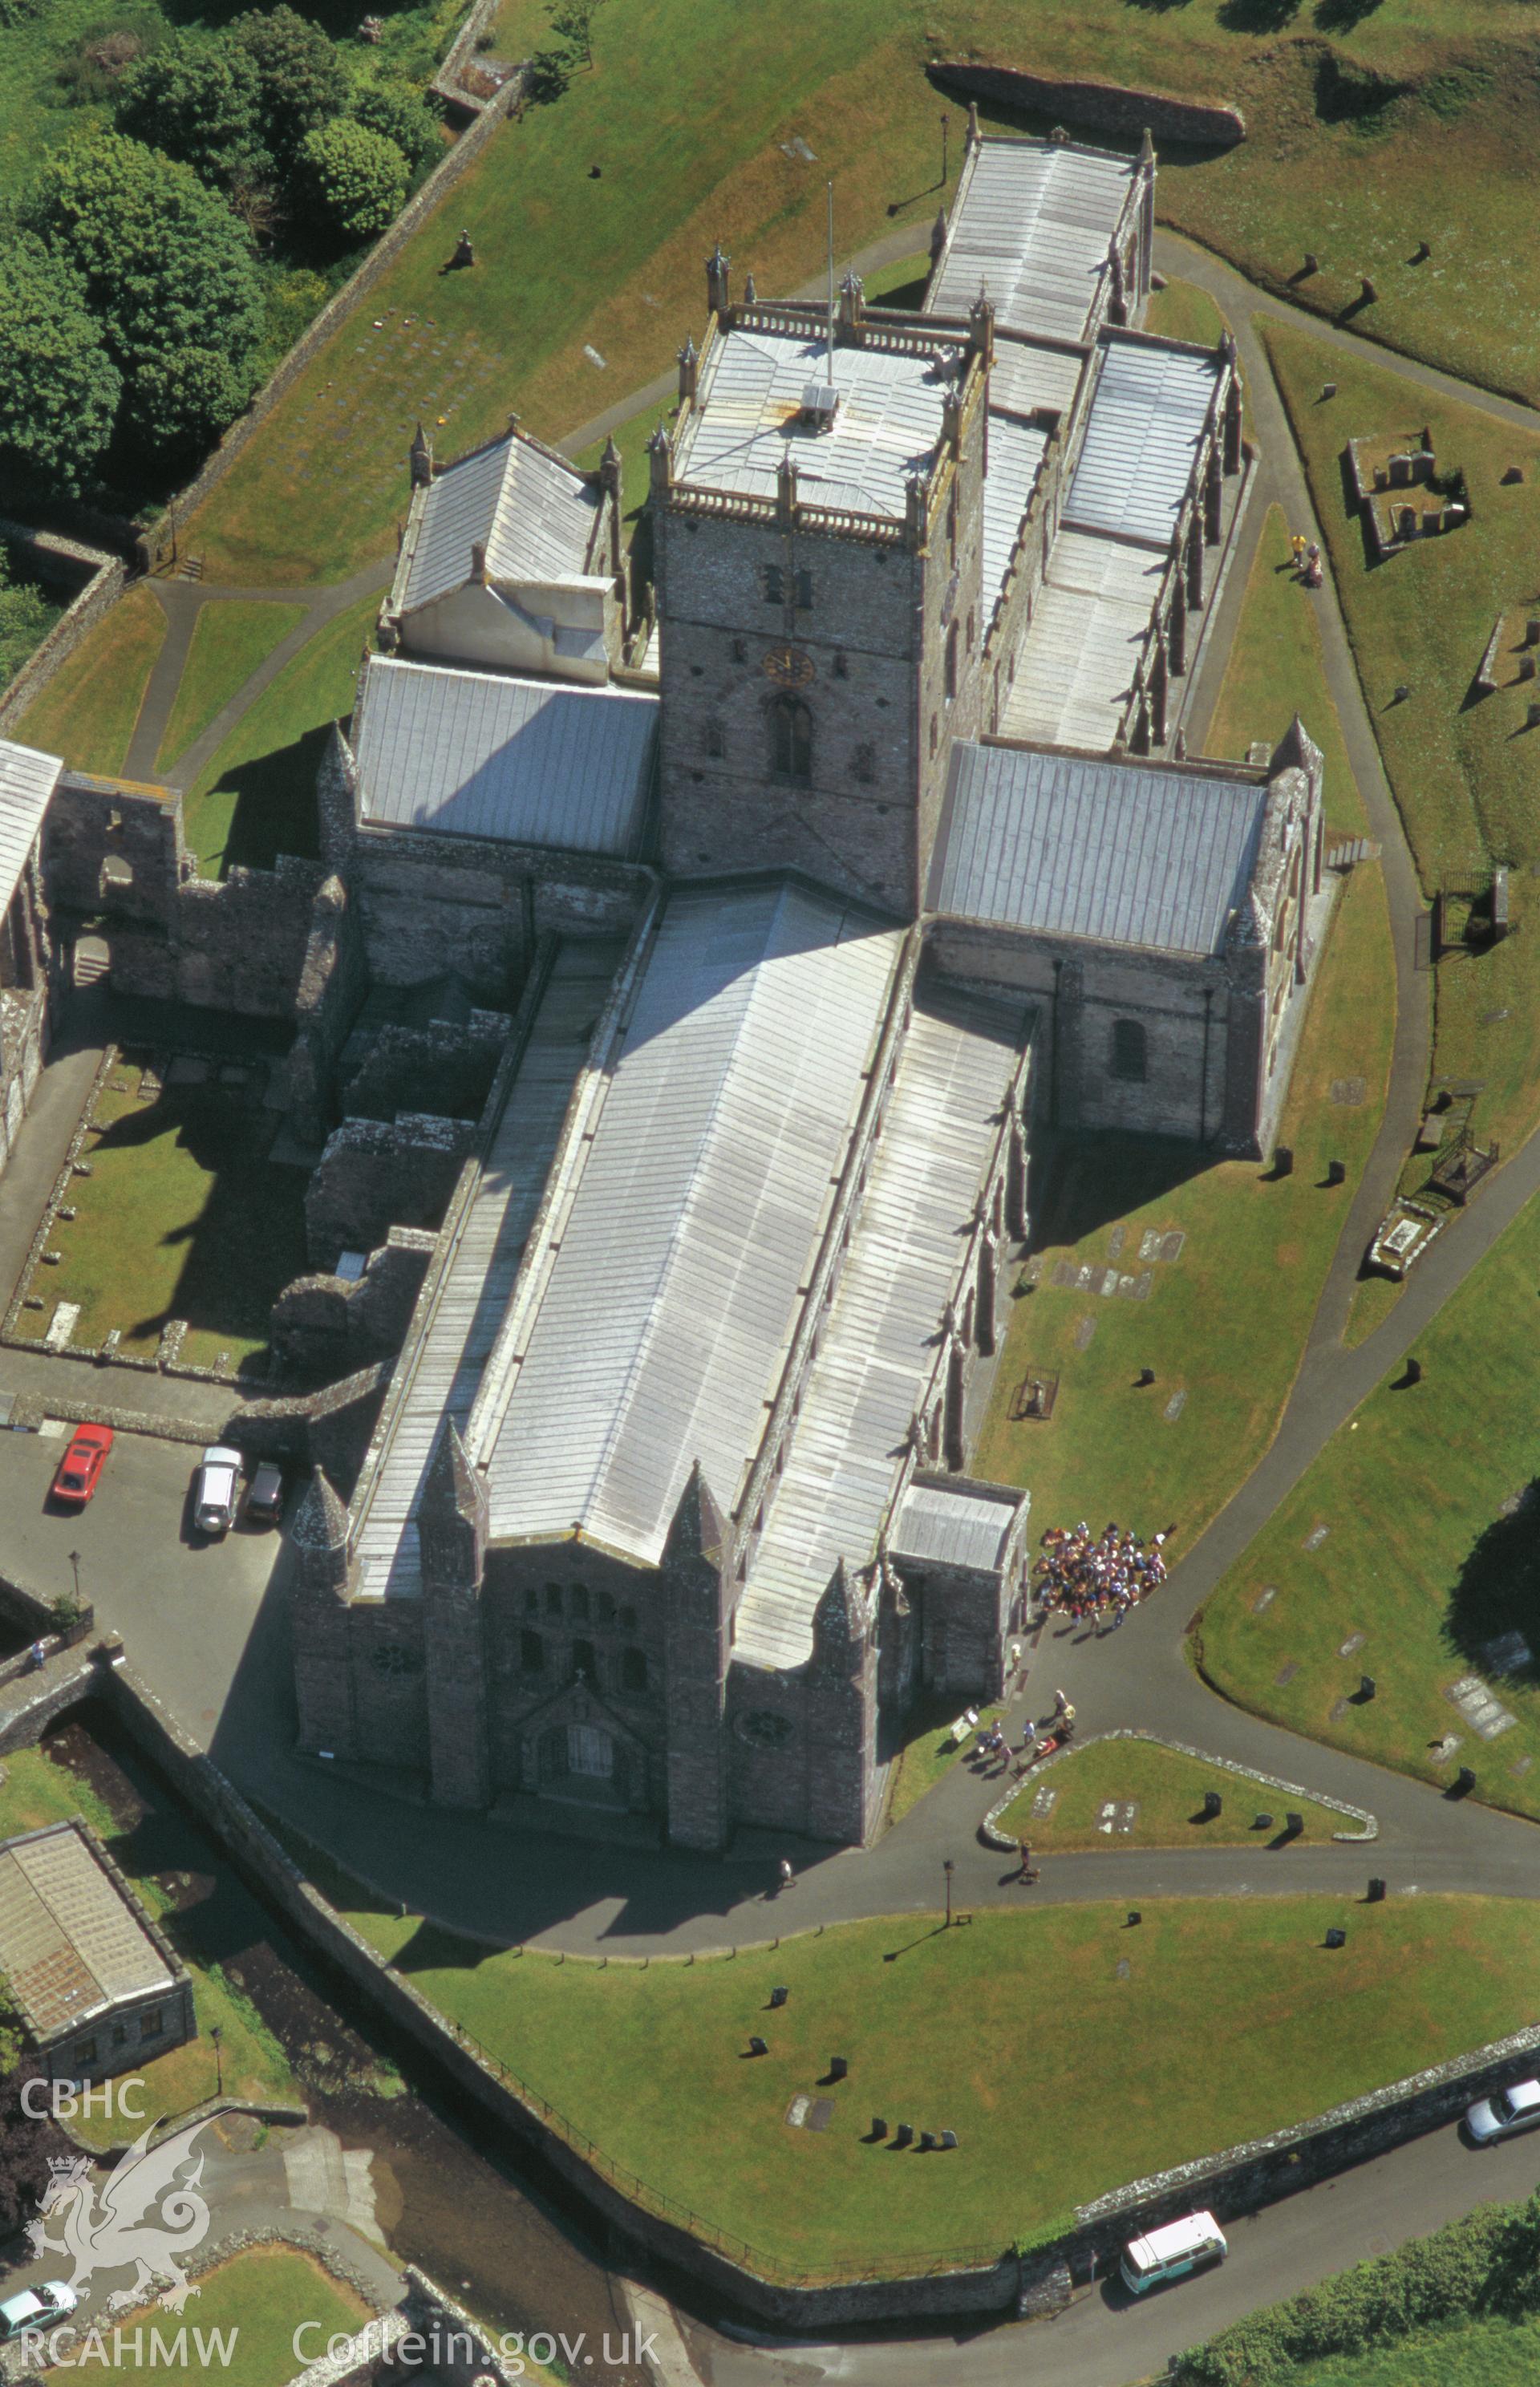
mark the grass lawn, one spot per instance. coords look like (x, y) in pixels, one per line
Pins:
(256, 797)
(1462, 774)
(929, 1749)
(1418, 1556)
(256, 2301)
(1225, 1322)
(1230, 2020)
(209, 1918)
(1182, 312)
(1480, 2353)
(1168, 1789)
(229, 641)
(88, 709)
(183, 1216)
(612, 263)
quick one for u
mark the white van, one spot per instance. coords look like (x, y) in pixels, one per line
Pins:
(1171, 2252)
(214, 1494)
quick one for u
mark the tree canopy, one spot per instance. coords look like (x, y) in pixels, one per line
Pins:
(166, 265)
(59, 387)
(196, 98)
(356, 178)
(400, 111)
(300, 76)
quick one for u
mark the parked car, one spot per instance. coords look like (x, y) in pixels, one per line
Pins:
(37, 2308)
(79, 1470)
(1505, 2113)
(215, 1491)
(264, 1502)
(1172, 2252)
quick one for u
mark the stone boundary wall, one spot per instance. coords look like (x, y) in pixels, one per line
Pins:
(329, 1428)
(1235, 2180)
(450, 167)
(447, 84)
(989, 1832)
(106, 574)
(27, 1612)
(1109, 106)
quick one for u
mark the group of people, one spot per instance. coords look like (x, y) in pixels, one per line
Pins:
(1307, 563)
(1098, 1580)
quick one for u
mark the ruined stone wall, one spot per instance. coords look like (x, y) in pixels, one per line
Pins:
(329, 1326)
(433, 905)
(117, 854)
(447, 1067)
(334, 980)
(374, 1174)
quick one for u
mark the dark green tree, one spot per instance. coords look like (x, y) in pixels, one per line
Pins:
(196, 98)
(300, 76)
(58, 388)
(23, 618)
(25, 2145)
(165, 263)
(399, 111)
(356, 178)
(185, 400)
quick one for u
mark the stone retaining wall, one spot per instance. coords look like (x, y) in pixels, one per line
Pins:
(105, 575)
(1109, 106)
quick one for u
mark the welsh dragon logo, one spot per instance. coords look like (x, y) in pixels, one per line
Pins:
(145, 2214)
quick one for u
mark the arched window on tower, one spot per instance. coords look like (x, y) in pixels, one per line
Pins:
(790, 740)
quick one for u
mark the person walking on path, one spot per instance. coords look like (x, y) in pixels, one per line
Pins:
(1296, 548)
(788, 1879)
(1026, 1854)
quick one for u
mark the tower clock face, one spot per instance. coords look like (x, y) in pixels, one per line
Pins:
(788, 666)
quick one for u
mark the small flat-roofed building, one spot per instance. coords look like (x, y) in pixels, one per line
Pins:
(93, 1980)
(511, 557)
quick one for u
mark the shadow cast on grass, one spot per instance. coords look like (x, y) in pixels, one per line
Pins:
(274, 805)
(1094, 1181)
(1497, 1590)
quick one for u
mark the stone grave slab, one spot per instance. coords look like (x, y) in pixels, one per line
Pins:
(1117, 1816)
(1149, 1244)
(1124, 1968)
(1109, 1284)
(1045, 1799)
(1171, 1245)
(1034, 1269)
(1510, 1654)
(1339, 1709)
(1353, 1644)
(1512, 1505)
(1522, 1764)
(62, 1325)
(1480, 1707)
(1285, 1675)
(1083, 1334)
(1264, 1599)
(810, 2113)
(1444, 1750)
(1348, 1093)
(1175, 1406)
(1116, 1240)
(1316, 1535)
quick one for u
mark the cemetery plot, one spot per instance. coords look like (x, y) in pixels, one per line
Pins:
(1141, 1794)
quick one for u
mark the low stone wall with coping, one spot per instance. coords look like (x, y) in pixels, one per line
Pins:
(103, 576)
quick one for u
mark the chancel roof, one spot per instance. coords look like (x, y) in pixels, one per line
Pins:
(534, 515)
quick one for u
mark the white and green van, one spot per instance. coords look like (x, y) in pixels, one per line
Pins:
(1172, 2252)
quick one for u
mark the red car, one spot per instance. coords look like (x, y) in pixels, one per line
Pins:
(79, 1470)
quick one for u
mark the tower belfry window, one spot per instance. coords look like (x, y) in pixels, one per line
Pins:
(790, 740)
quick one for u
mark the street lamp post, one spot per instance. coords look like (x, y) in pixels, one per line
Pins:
(946, 1868)
(75, 1563)
(946, 123)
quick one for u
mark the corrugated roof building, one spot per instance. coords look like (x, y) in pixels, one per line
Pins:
(91, 1979)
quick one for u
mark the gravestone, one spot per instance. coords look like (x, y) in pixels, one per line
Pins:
(1124, 1968)
(1354, 1643)
(1134, 1918)
(1507, 1655)
(1294, 1823)
(1339, 1709)
(1285, 1675)
(1264, 1599)
(1083, 1334)
(1376, 1889)
(1045, 1801)
(927, 2142)
(880, 2128)
(1171, 1245)
(1366, 1687)
(1348, 1093)
(1175, 1406)
(1336, 1172)
(1316, 1535)
(1480, 1707)
(1283, 1160)
(1212, 1803)
(779, 1997)
(1335, 1938)
(949, 2137)
(759, 2047)
(1115, 1243)
(1263, 1824)
(1465, 1779)
(905, 2135)
(839, 2067)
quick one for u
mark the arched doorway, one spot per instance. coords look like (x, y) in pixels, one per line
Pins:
(583, 1763)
